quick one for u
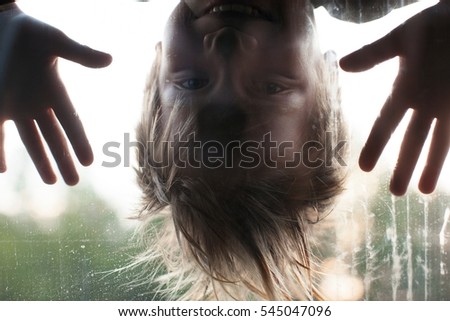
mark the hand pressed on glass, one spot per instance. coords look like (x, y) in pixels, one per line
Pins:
(33, 96)
(423, 83)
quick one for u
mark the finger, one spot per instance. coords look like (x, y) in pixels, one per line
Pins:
(436, 157)
(390, 116)
(415, 137)
(69, 49)
(370, 55)
(71, 123)
(54, 136)
(2, 149)
(31, 139)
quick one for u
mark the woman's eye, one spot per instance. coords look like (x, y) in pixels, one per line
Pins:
(272, 88)
(193, 84)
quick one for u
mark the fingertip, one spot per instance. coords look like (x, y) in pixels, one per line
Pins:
(427, 185)
(50, 179)
(44, 168)
(397, 192)
(72, 180)
(2, 150)
(95, 59)
(366, 163)
(86, 159)
(109, 58)
(397, 187)
(84, 153)
(3, 166)
(354, 62)
(427, 188)
(365, 166)
(69, 49)
(105, 59)
(344, 63)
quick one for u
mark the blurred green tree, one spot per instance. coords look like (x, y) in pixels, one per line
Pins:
(78, 256)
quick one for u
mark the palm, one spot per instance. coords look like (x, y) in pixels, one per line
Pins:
(423, 84)
(33, 96)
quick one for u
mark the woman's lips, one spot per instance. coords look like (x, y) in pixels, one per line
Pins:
(227, 7)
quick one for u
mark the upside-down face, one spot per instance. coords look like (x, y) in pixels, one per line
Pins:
(245, 72)
(237, 90)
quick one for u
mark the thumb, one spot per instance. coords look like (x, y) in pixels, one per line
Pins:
(69, 49)
(370, 55)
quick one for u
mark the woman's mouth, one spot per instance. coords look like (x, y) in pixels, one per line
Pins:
(239, 9)
(250, 9)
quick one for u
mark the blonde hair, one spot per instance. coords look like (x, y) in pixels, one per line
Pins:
(249, 241)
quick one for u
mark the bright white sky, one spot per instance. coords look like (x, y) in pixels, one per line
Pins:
(109, 100)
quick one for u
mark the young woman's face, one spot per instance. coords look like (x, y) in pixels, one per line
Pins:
(243, 68)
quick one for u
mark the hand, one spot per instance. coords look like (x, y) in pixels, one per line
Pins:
(423, 84)
(33, 95)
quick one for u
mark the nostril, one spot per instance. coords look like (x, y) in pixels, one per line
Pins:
(226, 43)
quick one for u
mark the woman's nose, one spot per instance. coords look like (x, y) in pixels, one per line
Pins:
(229, 41)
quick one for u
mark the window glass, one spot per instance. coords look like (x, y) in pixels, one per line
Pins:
(73, 243)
